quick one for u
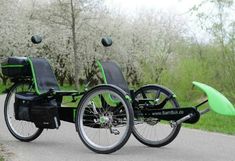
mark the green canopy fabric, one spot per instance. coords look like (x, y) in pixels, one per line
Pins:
(217, 101)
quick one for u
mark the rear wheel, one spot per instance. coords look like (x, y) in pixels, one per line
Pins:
(21, 130)
(104, 119)
(152, 131)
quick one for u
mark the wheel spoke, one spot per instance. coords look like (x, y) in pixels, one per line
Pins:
(151, 131)
(108, 131)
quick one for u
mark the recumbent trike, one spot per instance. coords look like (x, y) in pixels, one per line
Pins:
(106, 115)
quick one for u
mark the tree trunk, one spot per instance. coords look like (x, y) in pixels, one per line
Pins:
(75, 45)
(61, 82)
(62, 78)
(71, 80)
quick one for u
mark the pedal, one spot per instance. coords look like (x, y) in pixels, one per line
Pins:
(114, 131)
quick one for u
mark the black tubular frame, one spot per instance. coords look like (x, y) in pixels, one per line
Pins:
(191, 114)
(68, 113)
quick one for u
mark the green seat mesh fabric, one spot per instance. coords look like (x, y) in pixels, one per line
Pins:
(43, 75)
(112, 74)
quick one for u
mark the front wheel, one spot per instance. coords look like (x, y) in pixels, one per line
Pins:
(104, 119)
(154, 132)
(21, 130)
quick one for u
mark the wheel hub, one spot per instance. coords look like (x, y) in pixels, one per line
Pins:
(105, 119)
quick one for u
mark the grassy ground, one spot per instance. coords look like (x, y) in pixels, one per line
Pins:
(67, 101)
(2, 88)
(215, 123)
(209, 122)
(212, 121)
(1, 153)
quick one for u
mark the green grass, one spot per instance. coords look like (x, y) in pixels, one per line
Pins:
(211, 121)
(3, 88)
(67, 100)
(215, 123)
(1, 153)
(67, 87)
(1, 158)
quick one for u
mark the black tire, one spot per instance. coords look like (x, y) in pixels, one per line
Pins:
(175, 130)
(85, 103)
(10, 127)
